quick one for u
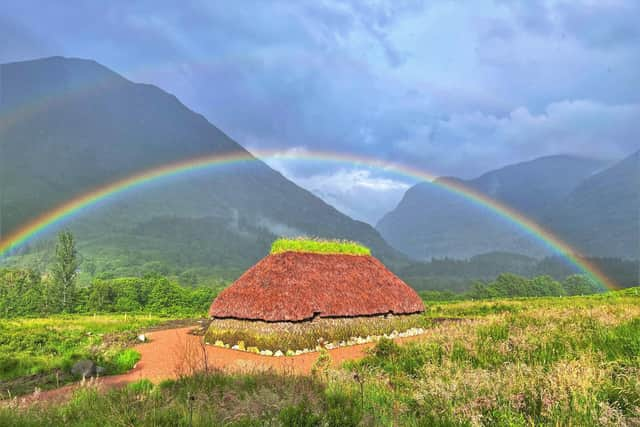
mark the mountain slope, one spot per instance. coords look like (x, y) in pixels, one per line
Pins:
(432, 222)
(601, 216)
(68, 126)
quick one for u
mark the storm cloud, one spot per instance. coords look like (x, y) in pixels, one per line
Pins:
(453, 88)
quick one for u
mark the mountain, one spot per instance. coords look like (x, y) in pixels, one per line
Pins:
(68, 126)
(601, 216)
(431, 221)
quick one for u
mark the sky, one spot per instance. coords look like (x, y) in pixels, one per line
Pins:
(453, 88)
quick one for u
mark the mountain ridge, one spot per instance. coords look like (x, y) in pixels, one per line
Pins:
(83, 126)
(450, 226)
(601, 216)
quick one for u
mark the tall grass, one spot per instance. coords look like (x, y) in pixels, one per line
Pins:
(557, 362)
(321, 246)
(548, 362)
(214, 399)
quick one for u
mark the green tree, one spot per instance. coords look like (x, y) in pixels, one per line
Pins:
(165, 296)
(579, 284)
(508, 285)
(20, 293)
(545, 286)
(101, 296)
(127, 298)
(65, 270)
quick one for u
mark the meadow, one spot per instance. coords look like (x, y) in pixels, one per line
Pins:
(39, 352)
(505, 362)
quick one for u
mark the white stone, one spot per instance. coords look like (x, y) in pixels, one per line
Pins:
(278, 353)
(235, 347)
(142, 338)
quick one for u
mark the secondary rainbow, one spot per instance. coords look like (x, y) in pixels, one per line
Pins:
(64, 211)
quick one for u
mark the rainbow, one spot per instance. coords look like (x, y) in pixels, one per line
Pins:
(68, 209)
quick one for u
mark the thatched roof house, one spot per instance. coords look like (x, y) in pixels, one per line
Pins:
(297, 286)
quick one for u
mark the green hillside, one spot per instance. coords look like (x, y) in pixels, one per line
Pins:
(71, 125)
(432, 222)
(602, 215)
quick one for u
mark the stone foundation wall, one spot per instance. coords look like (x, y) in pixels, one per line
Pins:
(310, 335)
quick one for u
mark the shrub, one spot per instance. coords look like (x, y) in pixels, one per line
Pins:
(385, 348)
(322, 364)
(300, 415)
(342, 410)
(123, 361)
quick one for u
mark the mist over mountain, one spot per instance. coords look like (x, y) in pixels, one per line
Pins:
(69, 126)
(431, 221)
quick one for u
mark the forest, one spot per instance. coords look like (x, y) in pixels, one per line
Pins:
(27, 292)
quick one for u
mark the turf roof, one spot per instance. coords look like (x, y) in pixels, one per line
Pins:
(319, 246)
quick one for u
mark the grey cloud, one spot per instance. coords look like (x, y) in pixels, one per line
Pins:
(575, 127)
(453, 88)
(602, 24)
(19, 43)
(532, 15)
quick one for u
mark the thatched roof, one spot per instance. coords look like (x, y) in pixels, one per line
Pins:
(294, 286)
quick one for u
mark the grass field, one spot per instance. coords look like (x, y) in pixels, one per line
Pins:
(543, 361)
(39, 352)
(319, 246)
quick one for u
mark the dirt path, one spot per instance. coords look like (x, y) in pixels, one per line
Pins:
(172, 353)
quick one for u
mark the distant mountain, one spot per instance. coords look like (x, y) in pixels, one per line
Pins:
(601, 216)
(431, 221)
(68, 126)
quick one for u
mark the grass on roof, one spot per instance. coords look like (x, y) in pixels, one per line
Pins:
(319, 246)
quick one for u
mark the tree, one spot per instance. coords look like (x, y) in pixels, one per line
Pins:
(65, 270)
(100, 296)
(578, 284)
(165, 296)
(20, 293)
(545, 286)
